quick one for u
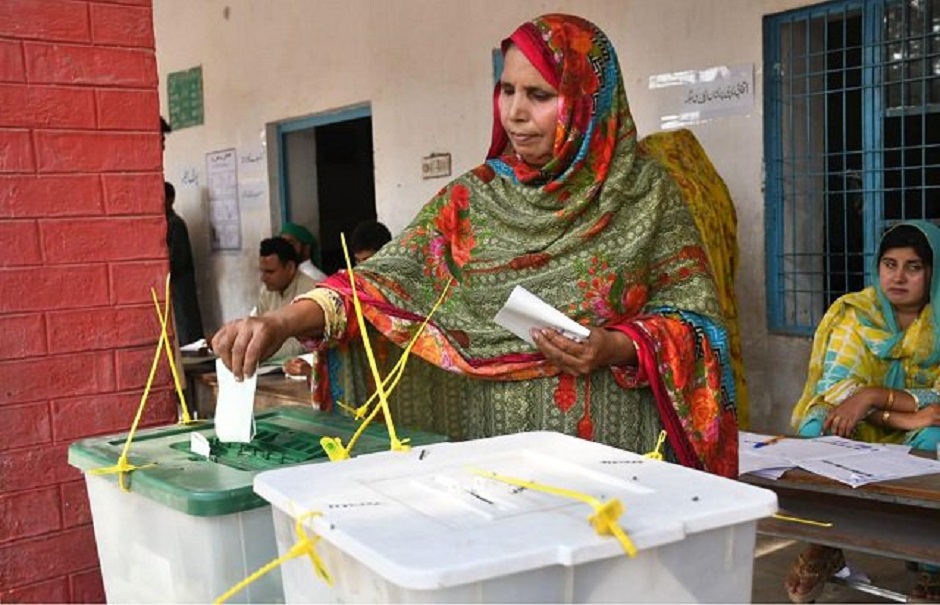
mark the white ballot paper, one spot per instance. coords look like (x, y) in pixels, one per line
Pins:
(198, 444)
(524, 311)
(234, 409)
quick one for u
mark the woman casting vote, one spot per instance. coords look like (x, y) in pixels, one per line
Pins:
(566, 206)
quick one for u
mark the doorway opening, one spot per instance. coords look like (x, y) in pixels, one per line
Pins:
(327, 177)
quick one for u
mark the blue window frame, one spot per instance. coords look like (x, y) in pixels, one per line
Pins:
(851, 144)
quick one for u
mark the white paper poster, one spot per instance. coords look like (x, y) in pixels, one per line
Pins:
(222, 186)
(689, 97)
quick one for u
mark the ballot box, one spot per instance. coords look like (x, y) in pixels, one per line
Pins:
(191, 527)
(506, 519)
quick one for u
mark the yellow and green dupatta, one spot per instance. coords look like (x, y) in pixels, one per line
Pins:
(858, 343)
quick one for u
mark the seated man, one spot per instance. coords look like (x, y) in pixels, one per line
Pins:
(368, 238)
(305, 244)
(282, 283)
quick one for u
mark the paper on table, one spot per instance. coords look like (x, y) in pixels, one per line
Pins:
(760, 461)
(862, 468)
(261, 370)
(771, 473)
(851, 462)
(195, 346)
(524, 311)
(234, 409)
(828, 447)
(752, 462)
(748, 440)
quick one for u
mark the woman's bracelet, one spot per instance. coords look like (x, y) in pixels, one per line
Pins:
(889, 404)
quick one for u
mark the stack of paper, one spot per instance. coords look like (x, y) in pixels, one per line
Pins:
(751, 458)
(851, 462)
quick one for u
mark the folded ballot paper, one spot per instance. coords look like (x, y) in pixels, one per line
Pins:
(234, 409)
(524, 311)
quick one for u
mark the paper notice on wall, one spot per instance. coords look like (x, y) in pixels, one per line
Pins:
(222, 186)
(694, 96)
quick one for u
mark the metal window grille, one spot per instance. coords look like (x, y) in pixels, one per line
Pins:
(852, 144)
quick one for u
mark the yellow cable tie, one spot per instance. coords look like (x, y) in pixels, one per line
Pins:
(122, 467)
(397, 372)
(801, 520)
(348, 408)
(605, 517)
(373, 366)
(333, 446)
(358, 432)
(657, 453)
(391, 381)
(304, 546)
(164, 318)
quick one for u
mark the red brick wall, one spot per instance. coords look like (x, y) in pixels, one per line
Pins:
(81, 243)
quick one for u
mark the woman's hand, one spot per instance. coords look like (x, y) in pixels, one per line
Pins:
(297, 367)
(843, 418)
(602, 348)
(928, 416)
(242, 343)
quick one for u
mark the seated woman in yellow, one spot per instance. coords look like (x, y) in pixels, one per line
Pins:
(874, 375)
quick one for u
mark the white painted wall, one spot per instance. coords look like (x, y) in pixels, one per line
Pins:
(425, 67)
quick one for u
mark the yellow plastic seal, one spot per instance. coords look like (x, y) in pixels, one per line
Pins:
(305, 545)
(605, 517)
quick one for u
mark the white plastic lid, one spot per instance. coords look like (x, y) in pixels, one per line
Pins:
(424, 520)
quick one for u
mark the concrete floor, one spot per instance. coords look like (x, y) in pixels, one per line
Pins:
(773, 558)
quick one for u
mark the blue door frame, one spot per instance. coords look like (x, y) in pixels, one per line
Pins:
(321, 119)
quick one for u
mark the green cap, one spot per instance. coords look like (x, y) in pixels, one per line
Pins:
(300, 233)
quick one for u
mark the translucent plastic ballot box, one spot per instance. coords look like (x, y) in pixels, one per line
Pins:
(191, 527)
(477, 521)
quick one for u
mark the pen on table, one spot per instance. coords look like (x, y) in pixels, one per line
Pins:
(770, 441)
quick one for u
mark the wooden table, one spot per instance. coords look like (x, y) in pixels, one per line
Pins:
(273, 390)
(898, 519)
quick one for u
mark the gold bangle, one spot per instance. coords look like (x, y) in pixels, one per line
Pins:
(889, 404)
(884, 417)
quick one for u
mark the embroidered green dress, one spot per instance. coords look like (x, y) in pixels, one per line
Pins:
(601, 233)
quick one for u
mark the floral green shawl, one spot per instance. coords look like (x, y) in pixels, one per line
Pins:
(601, 233)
